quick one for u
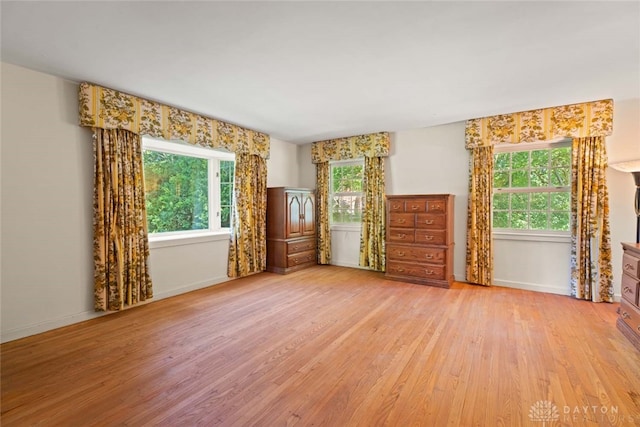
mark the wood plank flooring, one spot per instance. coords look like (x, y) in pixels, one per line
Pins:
(330, 346)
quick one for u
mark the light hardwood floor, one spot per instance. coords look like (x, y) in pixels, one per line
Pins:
(330, 346)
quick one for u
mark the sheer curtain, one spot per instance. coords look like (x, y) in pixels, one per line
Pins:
(120, 245)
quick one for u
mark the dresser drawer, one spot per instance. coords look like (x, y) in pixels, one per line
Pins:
(417, 254)
(396, 205)
(431, 237)
(630, 315)
(401, 220)
(630, 289)
(301, 246)
(415, 205)
(630, 265)
(437, 206)
(415, 270)
(301, 258)
(400, 235)
(437, 221)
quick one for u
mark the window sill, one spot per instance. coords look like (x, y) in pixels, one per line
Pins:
(187, 239)
(529, 236)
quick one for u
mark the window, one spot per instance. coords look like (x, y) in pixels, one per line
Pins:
(531, 188)
(346, 198)
(184, 184)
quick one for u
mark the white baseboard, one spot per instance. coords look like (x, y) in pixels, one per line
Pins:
(25, 331)
(537, 287)
(346, 264)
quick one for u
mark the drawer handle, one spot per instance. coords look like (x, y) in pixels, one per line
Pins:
(628, 267)
(295, 248)
(429, 221)
(400, 270)
(428, 272)
(414, 207)
(627, 289)
(402, 236)
(625, 315)
(400, 253)
(428, 238)
(401, 221)
(429, 256)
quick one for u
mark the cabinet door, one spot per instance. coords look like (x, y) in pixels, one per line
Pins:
(294, 214)
(308, 215)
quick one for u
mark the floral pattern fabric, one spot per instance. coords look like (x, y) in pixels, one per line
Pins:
(120, 245)
(323, 230)
(576, 120)
(591, 273)
(479, 240)
(372, 238)
(110, 109)
(248, 244)
(353, 147)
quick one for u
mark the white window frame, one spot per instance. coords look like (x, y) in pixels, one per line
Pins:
(344, 226)
(214, 232)
(554, 236)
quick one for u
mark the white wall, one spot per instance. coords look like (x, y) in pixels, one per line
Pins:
(47, 178)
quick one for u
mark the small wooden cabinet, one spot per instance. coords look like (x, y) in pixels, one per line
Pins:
(291, 229)
(629, 311)
(419, 239)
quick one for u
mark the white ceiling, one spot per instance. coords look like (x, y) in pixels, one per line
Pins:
(307, 71)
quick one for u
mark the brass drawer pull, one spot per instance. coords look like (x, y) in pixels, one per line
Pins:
(400, 270)
(402, 236)
(428, 221)
(428, 256)
(428, 272)
(428, 238)
(415, 208)
(625, 315)
(628, 267)
(400, 253)
(401, 221)
(627, 289)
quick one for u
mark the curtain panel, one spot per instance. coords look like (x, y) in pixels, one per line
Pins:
(579, 122)
(373, 148)
(591, 273)
(120, 245)
(110, 109)
(248, 244)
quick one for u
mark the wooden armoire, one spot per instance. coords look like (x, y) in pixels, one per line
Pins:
(291, 229)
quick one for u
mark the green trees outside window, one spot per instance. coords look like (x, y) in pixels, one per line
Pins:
(347, 197)
(532, 189)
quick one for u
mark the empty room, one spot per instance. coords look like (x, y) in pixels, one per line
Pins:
(369, 213)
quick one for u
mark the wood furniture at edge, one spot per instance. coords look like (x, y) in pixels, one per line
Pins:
(420, 239)
(629, 312)
(291, 229)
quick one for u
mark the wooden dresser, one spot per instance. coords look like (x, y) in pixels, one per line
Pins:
(629, 311)
(291, 229)
(420, 239)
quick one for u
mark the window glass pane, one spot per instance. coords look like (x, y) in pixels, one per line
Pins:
(347, 199)
(501, 201)
(176, 191)
(501, 179)
(520, 160)
(540, 159)
(519, 179)
(560, 221)
(519, 220)
(501, 161)
(540, 177)
(519, 201)
(501, 219)
(561, 157)
(560, 177)
(538, 220)
(560, 201)
(540, 201)
(226, 192)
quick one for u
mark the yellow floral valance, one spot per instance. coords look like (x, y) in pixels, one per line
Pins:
(576, 120)
(352, 147)
(110, 109)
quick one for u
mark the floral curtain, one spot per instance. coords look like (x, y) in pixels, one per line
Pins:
(322, 215)
(120, 246)
(247, 249)
(578, 121)
(372, 238)
(370, 146)
(479, 241)
(591, 275)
